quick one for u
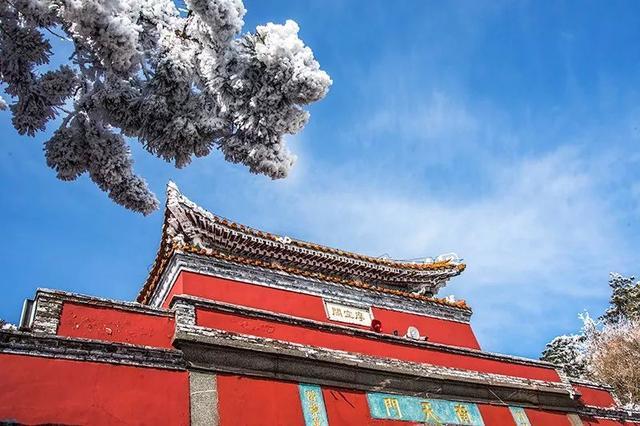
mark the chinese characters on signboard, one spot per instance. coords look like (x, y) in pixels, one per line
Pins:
(520, 416)
(429, 411)
(348, 314)
(313, 405)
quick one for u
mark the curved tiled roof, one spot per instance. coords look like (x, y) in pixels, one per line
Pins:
(189, 228)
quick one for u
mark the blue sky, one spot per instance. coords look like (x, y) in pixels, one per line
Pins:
(506, 132)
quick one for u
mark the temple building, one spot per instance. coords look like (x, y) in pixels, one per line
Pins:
(237, 326)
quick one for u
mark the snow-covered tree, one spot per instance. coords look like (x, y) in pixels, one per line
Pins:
(181, 84)
(625, 299)
(568, 352)
(613, 357)
(606, 350)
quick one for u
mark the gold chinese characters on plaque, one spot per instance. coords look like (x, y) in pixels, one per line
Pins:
(348, 314)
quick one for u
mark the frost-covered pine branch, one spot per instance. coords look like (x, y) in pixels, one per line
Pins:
(569, 353)
(181, 85)
(625, 299)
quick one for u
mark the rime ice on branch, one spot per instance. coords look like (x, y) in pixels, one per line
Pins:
(180, 85)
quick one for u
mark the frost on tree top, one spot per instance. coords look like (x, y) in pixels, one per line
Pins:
(190, 228)
(181, 84)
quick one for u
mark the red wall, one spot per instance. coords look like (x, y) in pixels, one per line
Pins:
(116, 325)
(544, 418)
(307, 336)
(249, 401)
(176, 288)
(495, 415)
(348, 408)
(307, 306)
(38, 390)
(257, 402)
(595, 397)
(437, 330)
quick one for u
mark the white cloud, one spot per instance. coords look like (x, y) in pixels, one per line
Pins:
(540, 212)
(540, 242)
(437, 118)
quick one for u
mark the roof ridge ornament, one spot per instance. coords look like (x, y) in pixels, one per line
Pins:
(173, 192)
(284, 240)
(449, 257)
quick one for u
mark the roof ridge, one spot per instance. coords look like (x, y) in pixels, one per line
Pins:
(175, 196)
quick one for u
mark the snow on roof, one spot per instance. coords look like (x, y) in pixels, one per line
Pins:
(190, 228)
